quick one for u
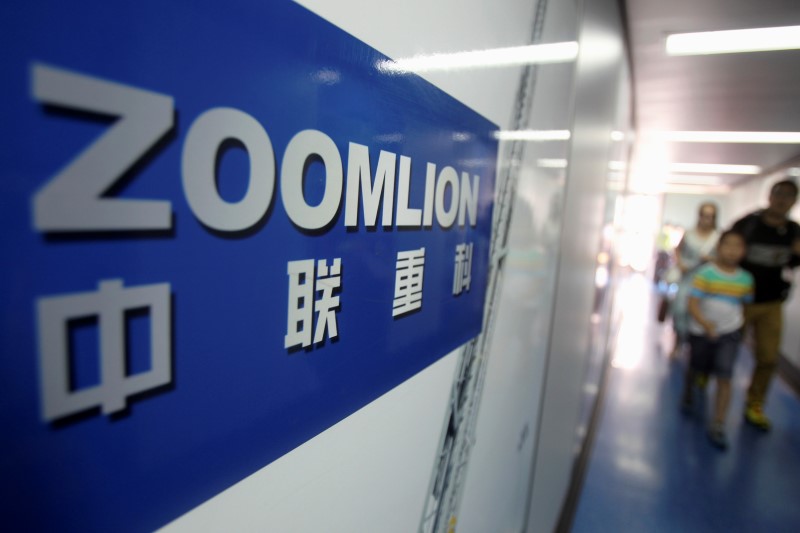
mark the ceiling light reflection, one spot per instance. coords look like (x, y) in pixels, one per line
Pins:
(532, 135)
(551, 163)
(327, 76)
(497, 57)
(722, 169)
(480, 162)
(774, 137)
(390, 137)
(637, 469)
(734, 41)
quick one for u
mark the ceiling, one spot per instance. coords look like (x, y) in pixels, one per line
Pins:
(758, 91)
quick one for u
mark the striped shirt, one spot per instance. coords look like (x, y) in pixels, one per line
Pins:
(721, 297)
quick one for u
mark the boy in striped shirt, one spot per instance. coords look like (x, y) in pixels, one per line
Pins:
(719, 290)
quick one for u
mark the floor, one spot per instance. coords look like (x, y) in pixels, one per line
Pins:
(652, 467)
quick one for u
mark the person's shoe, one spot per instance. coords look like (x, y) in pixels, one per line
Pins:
(754, 415)
(716, 434)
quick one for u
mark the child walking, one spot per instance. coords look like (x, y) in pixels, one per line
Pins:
(719, 290)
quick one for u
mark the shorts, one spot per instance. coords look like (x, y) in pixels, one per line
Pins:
(715, 356)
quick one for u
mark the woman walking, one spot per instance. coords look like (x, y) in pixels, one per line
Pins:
(695, 248)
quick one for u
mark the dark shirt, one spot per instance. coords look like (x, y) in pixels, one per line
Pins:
(769, 251)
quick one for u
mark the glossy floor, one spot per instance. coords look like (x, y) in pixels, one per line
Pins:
(653, 468)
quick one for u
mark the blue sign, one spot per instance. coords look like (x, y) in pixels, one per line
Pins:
(225, 228)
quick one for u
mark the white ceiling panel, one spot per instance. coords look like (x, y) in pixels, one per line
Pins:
(757, 91)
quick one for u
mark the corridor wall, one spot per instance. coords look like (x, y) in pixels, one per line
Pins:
(466, 413)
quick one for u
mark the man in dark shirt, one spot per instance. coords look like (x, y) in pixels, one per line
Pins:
(773, 248)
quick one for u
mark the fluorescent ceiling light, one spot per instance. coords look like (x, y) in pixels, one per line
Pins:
(617, 136)
(794, 171)
(695, 180)
(617, 165)
(532, 135)
(496, 57)
(695, 189)
(676, 188)
(734, 41)
(713, 168)
(552, 163)
(768, 137)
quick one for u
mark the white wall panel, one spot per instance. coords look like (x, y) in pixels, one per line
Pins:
(498, 483)
(598, 76)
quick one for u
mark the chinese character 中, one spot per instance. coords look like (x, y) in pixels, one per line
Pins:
(109, 303)
(309, 293)
(408, 281)
(463, 271)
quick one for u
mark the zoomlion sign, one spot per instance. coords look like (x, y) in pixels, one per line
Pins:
(73, 201)
(216, 248)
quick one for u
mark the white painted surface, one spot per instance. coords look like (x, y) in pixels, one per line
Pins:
(369, 472)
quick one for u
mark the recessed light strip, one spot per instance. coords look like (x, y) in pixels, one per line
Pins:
(734, 41)
(694, 180)
(695, 189)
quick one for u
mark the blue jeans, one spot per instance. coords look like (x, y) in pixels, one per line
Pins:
(715, 356)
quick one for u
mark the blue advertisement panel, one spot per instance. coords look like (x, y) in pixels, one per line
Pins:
(225, 227)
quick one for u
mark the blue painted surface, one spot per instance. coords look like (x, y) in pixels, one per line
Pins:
(653, 468)
(238, 399)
